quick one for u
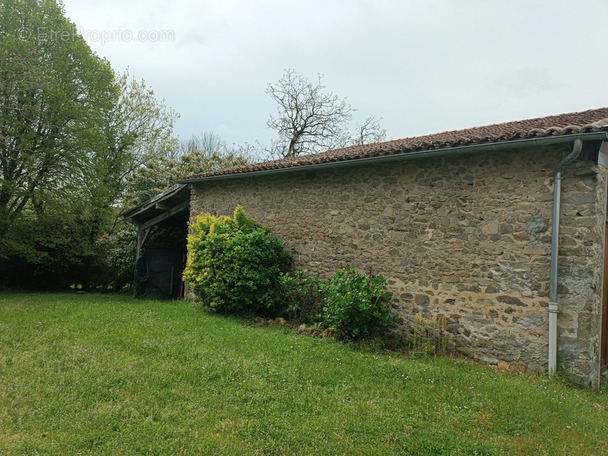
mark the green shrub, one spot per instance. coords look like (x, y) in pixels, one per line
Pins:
(47, 252)
(234, 265)
(301, 293)
(355, 305)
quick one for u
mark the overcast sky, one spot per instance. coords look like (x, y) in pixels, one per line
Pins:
(422, 66)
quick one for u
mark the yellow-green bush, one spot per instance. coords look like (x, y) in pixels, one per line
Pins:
(234, 265)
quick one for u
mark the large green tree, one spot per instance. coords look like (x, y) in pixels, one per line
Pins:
(55, 95)
(71, 132)
(140, 129)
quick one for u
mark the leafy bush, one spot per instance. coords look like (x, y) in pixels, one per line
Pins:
(47, 252)
(355, 305)
(301, 293)
(234, 265)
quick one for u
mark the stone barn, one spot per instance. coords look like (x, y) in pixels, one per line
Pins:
(500, 228)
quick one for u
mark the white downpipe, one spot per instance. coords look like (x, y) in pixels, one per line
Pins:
(552, 338)
(553, 304)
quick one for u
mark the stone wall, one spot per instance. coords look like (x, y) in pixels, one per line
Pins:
(466, 237)
(581, 251)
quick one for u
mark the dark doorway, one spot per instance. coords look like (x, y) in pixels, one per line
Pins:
(165, 267)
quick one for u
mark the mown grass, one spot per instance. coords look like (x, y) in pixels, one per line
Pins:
(97, 374)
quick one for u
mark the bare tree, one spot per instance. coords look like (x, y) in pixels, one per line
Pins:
(308, 118)
(206, 142)
(368, 132)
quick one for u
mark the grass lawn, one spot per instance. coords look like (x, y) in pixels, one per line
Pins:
(100, 374)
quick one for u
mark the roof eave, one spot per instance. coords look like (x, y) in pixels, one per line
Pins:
(134, 213)
(416, 155)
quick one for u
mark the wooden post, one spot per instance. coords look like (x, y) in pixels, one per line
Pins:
(139, 240)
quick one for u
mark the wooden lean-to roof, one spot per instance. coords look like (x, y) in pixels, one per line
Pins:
(165, 205)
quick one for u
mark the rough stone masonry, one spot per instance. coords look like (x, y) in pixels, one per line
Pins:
(466, 237)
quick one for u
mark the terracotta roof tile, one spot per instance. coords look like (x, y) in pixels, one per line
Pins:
(557, 125)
